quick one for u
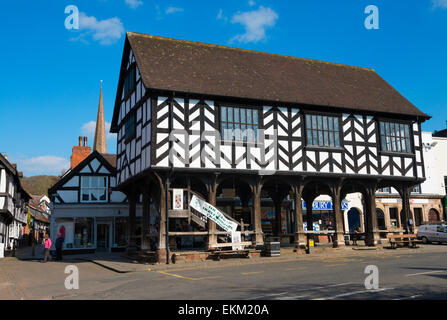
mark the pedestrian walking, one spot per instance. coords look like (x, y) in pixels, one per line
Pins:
(47, 248)
(59, 244)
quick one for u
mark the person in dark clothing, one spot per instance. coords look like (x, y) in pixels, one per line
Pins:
(59, 244)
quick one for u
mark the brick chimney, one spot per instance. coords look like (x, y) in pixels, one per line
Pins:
(80, 152)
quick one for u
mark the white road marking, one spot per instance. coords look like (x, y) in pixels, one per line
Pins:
(423, 273)
(408, 298)
(353, 293)
(289, 298)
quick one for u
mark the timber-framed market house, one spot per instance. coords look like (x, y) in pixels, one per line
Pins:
(231, 125)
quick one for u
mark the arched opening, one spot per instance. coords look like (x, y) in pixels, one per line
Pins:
(354, 220)
(433, 216)
(381, 219)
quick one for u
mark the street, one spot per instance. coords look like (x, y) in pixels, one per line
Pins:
(403, 274)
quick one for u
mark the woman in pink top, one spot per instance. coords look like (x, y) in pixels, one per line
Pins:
(47, 248)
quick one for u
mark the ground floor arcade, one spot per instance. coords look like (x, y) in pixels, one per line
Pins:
(242, 198)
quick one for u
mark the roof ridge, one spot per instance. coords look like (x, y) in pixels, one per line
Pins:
(205, 44)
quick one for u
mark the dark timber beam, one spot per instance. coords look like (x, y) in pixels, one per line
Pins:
(300, 241)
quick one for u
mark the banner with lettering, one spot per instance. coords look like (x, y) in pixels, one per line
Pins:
(213, 213)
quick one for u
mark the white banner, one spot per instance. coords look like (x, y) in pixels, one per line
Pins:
(213, 213)
(236, 238)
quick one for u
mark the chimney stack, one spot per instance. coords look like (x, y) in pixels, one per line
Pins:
(80, 152)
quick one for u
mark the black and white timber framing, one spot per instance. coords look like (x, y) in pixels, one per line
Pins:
(179, 132)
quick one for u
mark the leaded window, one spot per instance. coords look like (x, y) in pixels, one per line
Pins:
(395, 137)
(322, 131)
(129, 127)
(239, 124)
(129, 82)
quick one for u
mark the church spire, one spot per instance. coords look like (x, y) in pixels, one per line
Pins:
(100, 144)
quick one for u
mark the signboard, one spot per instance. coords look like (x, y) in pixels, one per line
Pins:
(325, 205)
(213, 213)
(177, 199)
(315, 226)
(236, 238)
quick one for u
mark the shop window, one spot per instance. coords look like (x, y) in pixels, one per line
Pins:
(322, 131)
(393, 217)
(395, 137)
(83, 235)
(121, 231)
(94, 189)
(239, 124)
(384, 190)
(418, 216)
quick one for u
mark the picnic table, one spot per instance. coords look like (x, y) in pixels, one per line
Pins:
(219, 250)
(403, 239)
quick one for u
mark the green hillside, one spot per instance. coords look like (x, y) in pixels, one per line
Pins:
(38, 185)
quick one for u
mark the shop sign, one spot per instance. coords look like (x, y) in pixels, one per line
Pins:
(326, 205)
(213, 213)
(177, 199)
(236, 238)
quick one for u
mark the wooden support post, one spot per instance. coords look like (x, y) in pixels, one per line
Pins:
(300, 242)
(256, 188)
(371, 227)
(163, 210)
(405, 193)
(132, 244)
(145, 241)
(212, 199)
(336, 204)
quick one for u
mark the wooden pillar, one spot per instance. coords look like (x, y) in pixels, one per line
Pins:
(258, 240)
(405, 192)
(162, 210)
(212, 200)
(300, 242)
(145, 241)
(371, 227)
(336, 204)
(132, 244)
(278, 197)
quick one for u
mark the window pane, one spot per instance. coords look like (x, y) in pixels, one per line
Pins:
(331, 123)
(331, 138)
(243, 115)
(407, 144)
(320, 122)
(336, 124)
(315, 137)
(320, 138)
(325, 127)
(255, 117)
(314, 122)
(326, 139)
(255, 129)
(337, 139)
(224, 114)
(308, 121)
(236, 114)
(309, 137)
(230, 114)
(249, 118)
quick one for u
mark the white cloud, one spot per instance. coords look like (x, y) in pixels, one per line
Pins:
(255, 23)
(171, 10)
(134, 3)
(42, 165)
(105, 31)
(439, 4)
(251, 3)
(88, 130)
(220, 16)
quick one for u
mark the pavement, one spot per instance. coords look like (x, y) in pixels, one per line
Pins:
(404, 274)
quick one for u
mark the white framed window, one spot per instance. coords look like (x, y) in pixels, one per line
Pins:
(94, 189)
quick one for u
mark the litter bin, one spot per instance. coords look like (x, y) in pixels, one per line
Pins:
(272, 247)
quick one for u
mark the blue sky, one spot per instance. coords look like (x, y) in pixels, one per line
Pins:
(51, 75)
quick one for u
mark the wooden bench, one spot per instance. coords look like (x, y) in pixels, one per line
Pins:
(357, 236)
(403, 239)
(218, 253)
